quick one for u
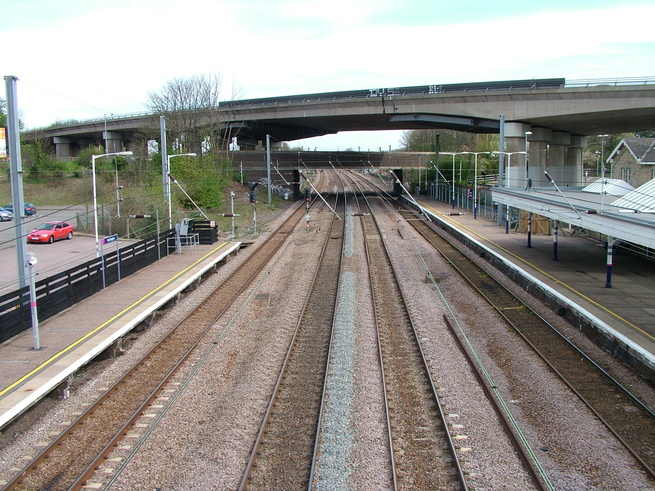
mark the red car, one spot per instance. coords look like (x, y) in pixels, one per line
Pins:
(51, 231)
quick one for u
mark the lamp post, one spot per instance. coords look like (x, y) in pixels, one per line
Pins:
(452, 179)
(475, 181)
(602, 171)
(507, 181)
(168, 183)
(31, 261)
(509, 159)
(460, 171)
(95, 194)
(527, 158)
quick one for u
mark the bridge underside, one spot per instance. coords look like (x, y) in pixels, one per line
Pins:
(296, 129)
(545, 121)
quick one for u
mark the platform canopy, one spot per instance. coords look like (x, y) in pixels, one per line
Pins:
(641, 200)
(589, 211)
(613, 187)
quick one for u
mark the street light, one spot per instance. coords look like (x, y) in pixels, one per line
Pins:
(95, 195)
(453, 177)
(509, 159)
(168, 183)
(602, 171)
(30, 263)
(507, 180)
(475, 181)
(527, 156)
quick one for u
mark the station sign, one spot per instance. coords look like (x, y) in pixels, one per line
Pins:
(110, 239)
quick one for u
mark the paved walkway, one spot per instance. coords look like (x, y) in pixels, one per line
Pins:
(579, 273)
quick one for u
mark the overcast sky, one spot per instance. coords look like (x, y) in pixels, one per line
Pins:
(81, 59)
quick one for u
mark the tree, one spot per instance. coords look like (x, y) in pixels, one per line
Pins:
(189, 105)
(40, 161)
(449, 141)
(192, 124)
(3, 112)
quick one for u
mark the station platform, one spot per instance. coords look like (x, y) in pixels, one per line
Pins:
(577, 273)
(74, 337)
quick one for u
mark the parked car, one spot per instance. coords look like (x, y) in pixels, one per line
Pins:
(48, 232)
(30, 209)
(6, 215)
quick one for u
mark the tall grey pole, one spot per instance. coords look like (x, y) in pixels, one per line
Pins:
(16, 170)
(164, 159)
(31, 261)
(268, 167)
(501, 168)
(501, 153)
(437, 149)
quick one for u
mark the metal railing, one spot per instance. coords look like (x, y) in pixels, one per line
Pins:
(614, 82)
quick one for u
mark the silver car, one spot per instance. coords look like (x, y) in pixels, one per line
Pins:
(5, 215)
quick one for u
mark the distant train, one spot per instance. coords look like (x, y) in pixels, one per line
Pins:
(543, 83)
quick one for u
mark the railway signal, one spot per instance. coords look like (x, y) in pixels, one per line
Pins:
(253, 200)
(253, 195)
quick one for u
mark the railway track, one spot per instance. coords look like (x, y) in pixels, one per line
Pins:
(632, 422)
(284, 452)
(532, 466)
(423, 454)
(74, 455)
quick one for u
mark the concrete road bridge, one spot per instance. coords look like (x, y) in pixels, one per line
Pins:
(546, 121)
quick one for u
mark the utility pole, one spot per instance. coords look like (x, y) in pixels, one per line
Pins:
(16, 176)
(268, 168)
(164, 159)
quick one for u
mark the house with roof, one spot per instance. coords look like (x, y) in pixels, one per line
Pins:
(633, 161)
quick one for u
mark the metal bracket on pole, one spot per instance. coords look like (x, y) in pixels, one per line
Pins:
(185, 193)
(560, 192)
(423, 210)
(319, 195)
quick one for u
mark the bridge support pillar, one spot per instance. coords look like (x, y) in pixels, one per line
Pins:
(515, 141)
(556, 162)
(296, 184)
(62, 147)
(538, 156)
(397, 188)
(558, 152)
(564, 163)
(114, 141)
(573, 167)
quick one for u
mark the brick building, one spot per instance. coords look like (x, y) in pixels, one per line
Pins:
(633, 160)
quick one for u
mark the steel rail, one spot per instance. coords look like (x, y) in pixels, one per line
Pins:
(315, 453)
(524, 454)
(416, 340)
(385, 392)
(44, 464)
(257, 447)
(538, 321)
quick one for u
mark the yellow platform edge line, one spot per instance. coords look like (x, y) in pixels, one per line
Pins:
(559, 282)
(104, 324)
